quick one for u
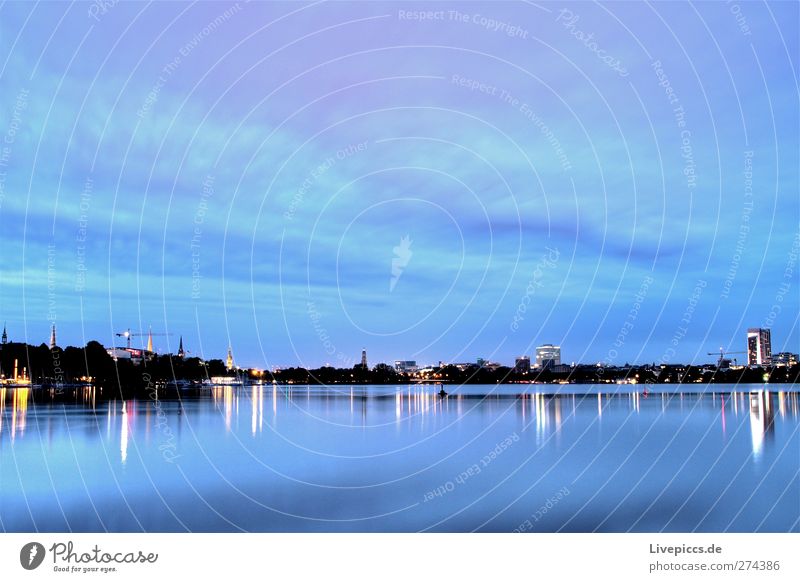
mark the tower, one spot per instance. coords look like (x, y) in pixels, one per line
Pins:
(53, 337)
(181, 353)
(5, 335)
(150, 340)
(364, 359)
(229, 363)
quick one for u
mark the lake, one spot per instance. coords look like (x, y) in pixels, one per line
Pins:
(502, 458)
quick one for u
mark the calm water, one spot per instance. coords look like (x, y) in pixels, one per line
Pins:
(400, 458)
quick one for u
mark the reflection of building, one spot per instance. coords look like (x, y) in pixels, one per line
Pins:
(522, 365)
(547, 356)
(406, 366)
(229, 361)
(784, 359)
(759, 346)
(762, 419)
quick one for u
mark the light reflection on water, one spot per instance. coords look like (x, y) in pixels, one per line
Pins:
(356, 458)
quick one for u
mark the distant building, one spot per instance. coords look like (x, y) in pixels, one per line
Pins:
(406, 366)
(364, 359)
(121, 353)
(135, 355)
(229, 361)
(5, 335)
(547, 356)
(759, 347)
(53, 337)
(181, 353)
(522, 365)
(463, 366)
(785, 359)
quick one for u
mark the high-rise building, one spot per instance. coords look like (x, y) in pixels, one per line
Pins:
(759, 347)
(547, 356)
(522, 365)
(406, 366)
(150, 341)
(364, 359)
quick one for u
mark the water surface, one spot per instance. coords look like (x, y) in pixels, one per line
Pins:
(402, 458)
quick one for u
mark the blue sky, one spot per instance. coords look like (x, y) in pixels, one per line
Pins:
(246, 173)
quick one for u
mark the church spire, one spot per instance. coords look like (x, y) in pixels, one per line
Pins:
(230, 358)
(53, 337)
(181, 353)
(5, 335)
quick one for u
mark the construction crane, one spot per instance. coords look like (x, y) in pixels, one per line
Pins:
(722, 354)
(128, 335)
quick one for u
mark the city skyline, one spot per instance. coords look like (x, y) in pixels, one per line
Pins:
(430, 202)
(759, 353)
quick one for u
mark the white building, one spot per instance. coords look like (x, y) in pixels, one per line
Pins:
(759, 347)
(547, 356)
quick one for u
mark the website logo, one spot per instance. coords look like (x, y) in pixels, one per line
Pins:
(31, 555)
(402, 256)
